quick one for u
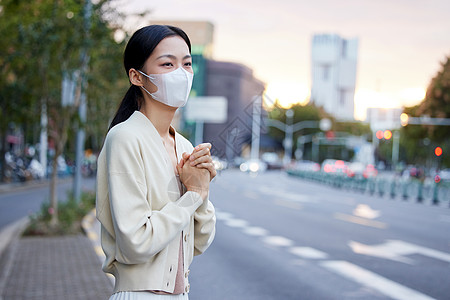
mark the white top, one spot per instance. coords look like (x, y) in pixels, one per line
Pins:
(142, 211)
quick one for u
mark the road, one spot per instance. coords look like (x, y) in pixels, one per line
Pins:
(280, 237)
(16, 203)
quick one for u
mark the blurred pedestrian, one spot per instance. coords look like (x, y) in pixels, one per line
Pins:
(152, 184)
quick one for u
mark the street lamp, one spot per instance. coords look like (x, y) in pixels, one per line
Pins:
(404, 119)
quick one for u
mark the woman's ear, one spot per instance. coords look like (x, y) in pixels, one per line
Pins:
(136, 78)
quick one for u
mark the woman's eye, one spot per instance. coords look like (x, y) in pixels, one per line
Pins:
(188, 64)
(168, 64)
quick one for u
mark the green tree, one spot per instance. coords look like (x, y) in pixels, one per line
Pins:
(310, 112)
(419, 141)
(42, 41)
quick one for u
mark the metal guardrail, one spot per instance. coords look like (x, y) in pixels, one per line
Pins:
(393, 188)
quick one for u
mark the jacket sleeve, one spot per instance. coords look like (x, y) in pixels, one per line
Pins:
(140, 232)
(204, 226)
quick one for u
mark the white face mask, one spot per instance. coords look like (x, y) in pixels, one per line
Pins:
(173, 87)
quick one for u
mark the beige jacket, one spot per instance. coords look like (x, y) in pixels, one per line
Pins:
(142, 212)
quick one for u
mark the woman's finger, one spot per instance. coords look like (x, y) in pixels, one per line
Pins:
(202, 145)
(210, 168)
(202, 152)
(201, 159)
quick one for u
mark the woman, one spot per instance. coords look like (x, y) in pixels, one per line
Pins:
(152, 185)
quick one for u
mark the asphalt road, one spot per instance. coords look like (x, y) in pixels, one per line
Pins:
(20, 201)
(280, 237)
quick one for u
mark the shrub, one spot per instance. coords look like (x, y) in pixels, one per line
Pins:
(70, 215)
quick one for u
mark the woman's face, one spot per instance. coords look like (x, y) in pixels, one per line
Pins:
(170, 54)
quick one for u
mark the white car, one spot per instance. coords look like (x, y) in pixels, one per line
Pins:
(253, 166)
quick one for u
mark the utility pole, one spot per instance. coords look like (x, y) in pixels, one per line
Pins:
(82, 106)
(287, 143)
(395, 147)
(256, 127)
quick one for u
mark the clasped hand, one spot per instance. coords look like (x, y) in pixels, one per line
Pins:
(197, 169)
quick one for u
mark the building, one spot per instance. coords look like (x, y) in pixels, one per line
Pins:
(236, 83)
(383, 118)
(333, 67)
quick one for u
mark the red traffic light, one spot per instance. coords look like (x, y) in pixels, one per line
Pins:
(438, 151)
(379, 134)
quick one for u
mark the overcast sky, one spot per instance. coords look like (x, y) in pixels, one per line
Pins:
(401, 42)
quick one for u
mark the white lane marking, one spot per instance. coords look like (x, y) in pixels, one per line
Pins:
(360, 221)
(223, 215)
(276, 240)
(380, 251)
(308, 252)
(377, 282)
(236, 223)
(365, 211)
(255, 231)
(395, 250)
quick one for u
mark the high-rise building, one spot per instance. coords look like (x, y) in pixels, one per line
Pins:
(333, 67)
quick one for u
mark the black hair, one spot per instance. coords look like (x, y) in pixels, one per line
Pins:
(138, 49)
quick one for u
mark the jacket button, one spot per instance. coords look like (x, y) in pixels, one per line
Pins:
(167, 284)
(187, 273)
(171, 268)
(187, 288)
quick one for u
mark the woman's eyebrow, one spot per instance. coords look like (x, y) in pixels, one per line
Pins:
(171, 56)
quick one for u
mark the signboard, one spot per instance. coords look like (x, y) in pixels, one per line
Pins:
(207, 109)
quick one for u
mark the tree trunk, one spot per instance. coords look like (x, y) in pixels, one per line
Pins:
(60, 137)
(2, 153)
(53, 196)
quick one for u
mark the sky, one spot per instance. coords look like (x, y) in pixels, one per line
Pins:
(401, 42)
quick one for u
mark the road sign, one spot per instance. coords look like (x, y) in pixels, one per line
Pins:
(207, 109)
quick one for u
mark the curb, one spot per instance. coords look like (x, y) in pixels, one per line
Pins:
(6, 188)
(88, 224)
(12, 232)
(9, 237)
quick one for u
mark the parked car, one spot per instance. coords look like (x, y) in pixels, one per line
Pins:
(219, 164)
(272, 160)
(335, 167)
(306, 165)
(444, 175)
(360, 170)
(253, 165)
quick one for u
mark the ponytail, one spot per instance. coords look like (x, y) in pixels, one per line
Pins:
(130, 103)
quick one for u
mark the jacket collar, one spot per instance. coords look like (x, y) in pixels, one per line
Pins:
(144, 121)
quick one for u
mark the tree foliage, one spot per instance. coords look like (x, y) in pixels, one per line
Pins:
(310, 112)
(419, 141)
(43, 41)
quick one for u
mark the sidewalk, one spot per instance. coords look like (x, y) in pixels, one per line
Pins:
(65, 267)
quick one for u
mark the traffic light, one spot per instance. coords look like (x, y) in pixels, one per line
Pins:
(379, 134)
(438, 151)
